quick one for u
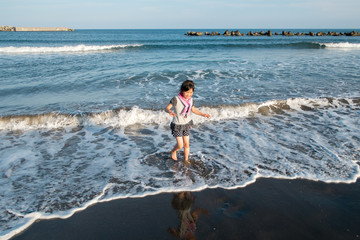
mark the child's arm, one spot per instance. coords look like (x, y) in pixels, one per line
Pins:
(168, 110)
(197, 112)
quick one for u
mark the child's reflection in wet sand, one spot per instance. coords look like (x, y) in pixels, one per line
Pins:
(182, 203)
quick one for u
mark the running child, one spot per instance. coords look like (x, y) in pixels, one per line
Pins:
(183, 106)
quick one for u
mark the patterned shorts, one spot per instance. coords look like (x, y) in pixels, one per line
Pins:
(180, 133)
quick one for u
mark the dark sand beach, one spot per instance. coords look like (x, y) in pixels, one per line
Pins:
(267, 209)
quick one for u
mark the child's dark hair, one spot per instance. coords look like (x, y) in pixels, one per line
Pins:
(187, 85)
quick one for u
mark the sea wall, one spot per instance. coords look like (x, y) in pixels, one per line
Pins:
(270, 33)
(35, 29)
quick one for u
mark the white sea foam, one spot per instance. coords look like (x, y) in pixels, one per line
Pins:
(32, 217)
(64, 49)
(136, 115)
(342, 45)
(69, 162)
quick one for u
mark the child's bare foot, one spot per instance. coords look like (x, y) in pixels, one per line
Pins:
(173, 156)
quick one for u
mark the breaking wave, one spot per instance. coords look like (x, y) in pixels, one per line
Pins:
(64, 49)
(344, 45)
(126, 117)
(94, 48)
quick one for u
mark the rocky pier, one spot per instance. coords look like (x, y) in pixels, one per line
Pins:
(34, 29)
(270, 33)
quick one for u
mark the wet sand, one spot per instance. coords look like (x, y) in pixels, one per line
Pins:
(267, 209)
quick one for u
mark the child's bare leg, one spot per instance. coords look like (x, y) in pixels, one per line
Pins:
(186, 147)
(179, 145)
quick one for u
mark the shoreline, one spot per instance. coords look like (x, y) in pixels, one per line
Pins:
(266, 209)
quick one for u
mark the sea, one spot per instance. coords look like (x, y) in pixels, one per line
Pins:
(82, 117)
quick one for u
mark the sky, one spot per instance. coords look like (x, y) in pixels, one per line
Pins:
(181, 14)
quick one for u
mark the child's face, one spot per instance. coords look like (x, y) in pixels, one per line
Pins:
(188, 94)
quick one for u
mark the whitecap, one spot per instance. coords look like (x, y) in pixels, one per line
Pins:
(64, 49)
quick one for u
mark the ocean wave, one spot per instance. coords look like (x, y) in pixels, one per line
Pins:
(175, 45)
(256, 44)
(64, 49)
(126, 117)
(226, 44)
(343, 45)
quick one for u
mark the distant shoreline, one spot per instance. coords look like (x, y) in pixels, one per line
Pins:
(35, 29)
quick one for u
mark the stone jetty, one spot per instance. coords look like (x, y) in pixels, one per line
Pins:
(34, 29)
(270, 33)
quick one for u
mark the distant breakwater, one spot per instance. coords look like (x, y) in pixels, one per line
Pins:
(34, 29)
(270, 33)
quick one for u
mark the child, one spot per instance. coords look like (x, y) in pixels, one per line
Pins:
(181, 124)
